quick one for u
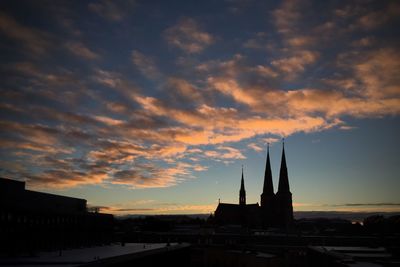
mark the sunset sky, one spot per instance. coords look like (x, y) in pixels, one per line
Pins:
(152, 107)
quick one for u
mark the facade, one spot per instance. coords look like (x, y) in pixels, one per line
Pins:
(276, 210)
(32, 221)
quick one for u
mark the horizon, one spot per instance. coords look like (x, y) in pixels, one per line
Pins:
(153, 107)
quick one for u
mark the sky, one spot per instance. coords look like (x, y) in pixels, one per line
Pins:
(152, 107)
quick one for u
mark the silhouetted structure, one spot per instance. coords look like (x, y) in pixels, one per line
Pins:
(30, 220)
(245, 214)
(275, 210)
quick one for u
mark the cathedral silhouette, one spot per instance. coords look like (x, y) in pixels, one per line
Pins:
(276, 210)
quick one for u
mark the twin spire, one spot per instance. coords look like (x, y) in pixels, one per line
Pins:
(283, 187)
(268, 189)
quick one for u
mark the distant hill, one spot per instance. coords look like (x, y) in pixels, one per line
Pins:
(347, 215)
(351, 216)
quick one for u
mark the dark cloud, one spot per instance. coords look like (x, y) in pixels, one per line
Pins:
(34, 42)
(113, 10)
(187, 35)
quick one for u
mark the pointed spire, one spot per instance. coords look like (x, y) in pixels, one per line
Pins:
(283, 174)
(242, 192)
(268, 188)
(242, 182)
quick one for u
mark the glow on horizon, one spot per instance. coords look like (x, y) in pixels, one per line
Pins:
(151, 107)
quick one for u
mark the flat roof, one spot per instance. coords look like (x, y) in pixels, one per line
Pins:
(77, 257)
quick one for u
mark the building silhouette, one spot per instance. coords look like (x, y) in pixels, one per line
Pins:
(32, 221)
(276, 209)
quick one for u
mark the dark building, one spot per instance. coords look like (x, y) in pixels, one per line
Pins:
(245, 214)
(31, 221)
(275, 210)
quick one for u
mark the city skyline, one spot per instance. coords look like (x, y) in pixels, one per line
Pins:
(148, 107)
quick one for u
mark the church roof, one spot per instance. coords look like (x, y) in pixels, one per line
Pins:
(235, 207)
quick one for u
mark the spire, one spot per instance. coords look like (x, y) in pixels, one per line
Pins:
(283, 174)
(242, 192)
(268, 185)
(242, 182)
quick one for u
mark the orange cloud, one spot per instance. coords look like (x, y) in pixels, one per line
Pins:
(224, 152)
(231, 87)
(296, 63)
(108, 121)
(161, 208)
(149, 175)
(66, 178)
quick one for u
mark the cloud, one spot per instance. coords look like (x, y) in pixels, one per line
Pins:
(60, 178)
(347, 127)
(377, 70)
(145, 65)
(232, 88)
(35, 41)
(255, 147)
(258, 42)
(108, 121)
(165, 131)
(288, 15)
(155, 207)
(224, 152)
(300, 41)
(188, 36)
(364, 42)
(199, 168)
(264, 71)
(296, 63)
(112, 10)
(62, 122)
(231, 67)
(149, 175)
(185, 91)
(270, 140)
(80, 50)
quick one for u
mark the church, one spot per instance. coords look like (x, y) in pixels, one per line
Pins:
(276, 209)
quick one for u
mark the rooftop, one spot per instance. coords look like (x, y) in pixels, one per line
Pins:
(78, 257)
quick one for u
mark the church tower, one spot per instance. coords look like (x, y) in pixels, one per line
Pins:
(242, 192)
(267, 196)
(284, 196)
